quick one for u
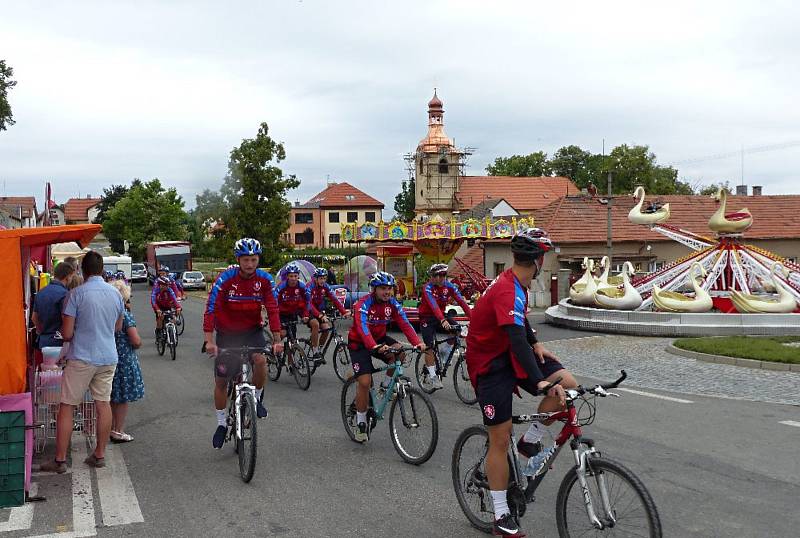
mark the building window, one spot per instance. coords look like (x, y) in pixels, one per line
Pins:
(333, 217)
(369, 216)
(352, 216)
(350, 197)
(442, 165)
(303, 218)
(334, 239)
(499, 268)
(305, 238)
(420, 166)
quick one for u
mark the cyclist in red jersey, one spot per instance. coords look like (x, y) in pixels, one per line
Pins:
(234, 311)
(162, 299)
(367, 339)
(504, 355)
(293, 298)
(319, 293)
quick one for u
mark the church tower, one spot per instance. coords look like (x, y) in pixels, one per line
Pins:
(437, 167)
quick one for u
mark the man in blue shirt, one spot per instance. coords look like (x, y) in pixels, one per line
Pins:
(48, 305)
(92, 314)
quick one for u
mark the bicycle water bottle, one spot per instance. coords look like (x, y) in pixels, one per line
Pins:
(444, 350)
(537, 462)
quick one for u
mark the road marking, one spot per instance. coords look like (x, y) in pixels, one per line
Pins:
(790, 423)
(118, 500)
(653, 395)
(21, 517)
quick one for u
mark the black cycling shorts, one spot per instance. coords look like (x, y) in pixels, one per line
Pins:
(227, 365)
(496, 389)
(361, 357)
(429, 327)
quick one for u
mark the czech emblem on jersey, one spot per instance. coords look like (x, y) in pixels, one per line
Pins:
(257, 285)
(356, 367)
(488, 410)
(297, 291)
(388, 311)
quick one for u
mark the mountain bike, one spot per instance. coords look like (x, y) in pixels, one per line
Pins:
(461, 381)
(598, 495)
(180, 323)
(167, 336)
(341, 356)
(412, 413)
(293, 358)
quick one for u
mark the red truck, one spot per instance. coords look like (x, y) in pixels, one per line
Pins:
(177, 255)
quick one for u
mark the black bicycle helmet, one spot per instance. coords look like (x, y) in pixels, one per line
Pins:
(531, 242)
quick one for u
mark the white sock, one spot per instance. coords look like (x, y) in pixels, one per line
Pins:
(432, 371)
(361, 417)
(221, 418)
(386, 380)
(258, 393)
(534, 433)
(500, 503)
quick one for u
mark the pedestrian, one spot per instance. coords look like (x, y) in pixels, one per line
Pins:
(92, 313)
(128, 385)
(331, 276)
(48, 304)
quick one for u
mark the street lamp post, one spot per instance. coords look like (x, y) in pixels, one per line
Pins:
(609, 247)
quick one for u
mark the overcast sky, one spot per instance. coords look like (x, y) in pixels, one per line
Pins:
(109, 91)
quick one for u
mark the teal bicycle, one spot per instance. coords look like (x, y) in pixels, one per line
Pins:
(413, 425)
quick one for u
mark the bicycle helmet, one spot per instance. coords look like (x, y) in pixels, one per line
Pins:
(292, 268)
(320, 271)
(247, 246)
(163, 280)
(438, 269)
(108, 275)
(163, 269)
(382, 278)
(532, 242)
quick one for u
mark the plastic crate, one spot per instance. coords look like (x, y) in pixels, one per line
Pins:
(12, 458)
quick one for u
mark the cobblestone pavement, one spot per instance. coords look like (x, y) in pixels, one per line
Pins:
(650, 366)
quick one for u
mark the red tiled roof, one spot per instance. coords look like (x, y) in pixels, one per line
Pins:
(473, 258)
(11, 203)
(78, 208)
(343, 195)
(582, 219)
(523, 193)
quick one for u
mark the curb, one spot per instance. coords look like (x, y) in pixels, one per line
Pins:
(733, 361)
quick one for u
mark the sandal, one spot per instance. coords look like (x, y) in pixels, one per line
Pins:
(119, 437)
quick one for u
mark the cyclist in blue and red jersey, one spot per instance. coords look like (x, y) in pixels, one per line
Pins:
(319, 294)
(437, 293)
(163, 270)
(367, 339)
(163, 299)
(234, 311)
(293, 298)
(503, 355)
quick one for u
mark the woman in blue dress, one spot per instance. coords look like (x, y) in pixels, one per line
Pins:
(128, 385)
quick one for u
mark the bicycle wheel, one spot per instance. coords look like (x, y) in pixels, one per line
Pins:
(413, 425)
(247, 442)
(470, 481)
(421, 371)
(633, 510)
(341, 362)
(274, 366)
(300, 367)
(161, 342)
(180, 323)
(461, 381)
(306, 345)
(348, 408)
(172, 338)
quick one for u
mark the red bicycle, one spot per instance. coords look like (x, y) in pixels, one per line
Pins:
(597, 496)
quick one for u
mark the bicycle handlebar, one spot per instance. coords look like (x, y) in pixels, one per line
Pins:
(397, 351)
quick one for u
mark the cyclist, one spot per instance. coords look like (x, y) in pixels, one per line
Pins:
(319, 291)
(163, 299)
(293, 298)
(437, 293)
(504, 355)
(108, 276)
(163, 270)
(367, 338)
(233, 310)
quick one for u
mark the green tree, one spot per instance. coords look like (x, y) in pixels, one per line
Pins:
(148, 212)
(712, 188)
(532, 165)
(574, 163)
(405, 202)
(209, 216)
(6, 83)
(111, 195)
(636, 165)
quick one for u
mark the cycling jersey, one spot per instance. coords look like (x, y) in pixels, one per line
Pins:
(163, 299)
(436, 298)
(293, 300)
(505, 302)
(318, 295)
(372, 321)
(234, 304)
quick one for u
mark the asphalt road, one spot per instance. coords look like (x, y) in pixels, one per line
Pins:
(715, 467)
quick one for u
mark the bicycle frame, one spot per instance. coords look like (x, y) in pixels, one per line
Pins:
(442, 366)
(240, 388)
(380, 405)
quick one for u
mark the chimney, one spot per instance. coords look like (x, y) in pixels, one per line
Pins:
(741, 190)
(756, 190)
(297, 203)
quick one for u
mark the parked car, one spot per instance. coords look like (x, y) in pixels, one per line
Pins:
(138, 272)
(193, 280)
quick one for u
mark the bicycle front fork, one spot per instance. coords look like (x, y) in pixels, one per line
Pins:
(582, 453)
(241, 392)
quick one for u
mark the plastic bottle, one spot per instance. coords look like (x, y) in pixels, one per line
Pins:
(537, 462)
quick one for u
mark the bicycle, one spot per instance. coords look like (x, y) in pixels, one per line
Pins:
(167, 336)
(405, 413)
(341, 356)
(461, 381)
(293, 357)
(180, 323)
(617, 495)
(242, 415)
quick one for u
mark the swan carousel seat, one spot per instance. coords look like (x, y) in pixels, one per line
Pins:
(782, 303)
(582, 291)
(623, 297)
(653, 214)
(605, 279)
(722, 222)
(671, 301)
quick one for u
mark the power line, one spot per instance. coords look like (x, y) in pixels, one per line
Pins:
(741, 152)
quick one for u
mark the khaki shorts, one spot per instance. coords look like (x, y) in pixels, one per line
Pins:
(80, 376)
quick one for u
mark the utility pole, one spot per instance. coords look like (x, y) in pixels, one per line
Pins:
(609, 247)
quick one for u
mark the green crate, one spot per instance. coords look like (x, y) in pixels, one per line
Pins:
(12, 458)
(12, 490)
